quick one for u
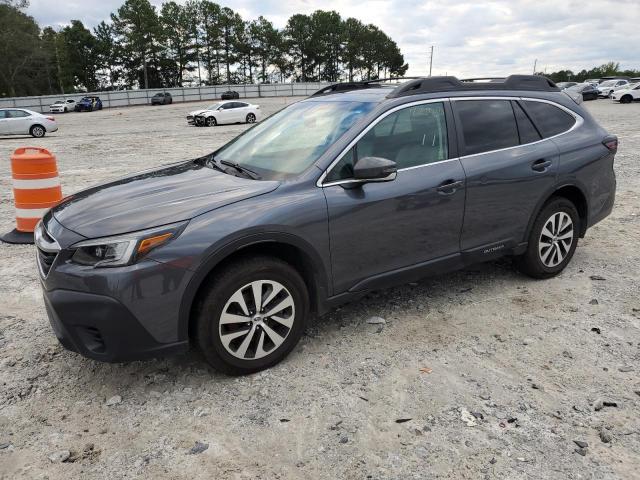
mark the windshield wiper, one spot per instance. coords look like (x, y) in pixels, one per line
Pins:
(211, 163)
(241, 169)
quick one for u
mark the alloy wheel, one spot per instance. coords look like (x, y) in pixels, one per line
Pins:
(251, 118)
(38, 132)
(257, 319)
(555, 239)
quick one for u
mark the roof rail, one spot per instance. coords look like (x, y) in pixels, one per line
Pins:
(449, 84)
(344, 87)
(350, 86)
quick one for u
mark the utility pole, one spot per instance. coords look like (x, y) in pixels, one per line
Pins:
(431, 60)
(535, 62)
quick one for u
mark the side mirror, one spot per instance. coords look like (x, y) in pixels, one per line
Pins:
(375, 169)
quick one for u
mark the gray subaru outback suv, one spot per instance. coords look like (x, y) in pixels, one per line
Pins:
(359, 187)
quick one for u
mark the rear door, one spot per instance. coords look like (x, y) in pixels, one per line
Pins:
(509, 167)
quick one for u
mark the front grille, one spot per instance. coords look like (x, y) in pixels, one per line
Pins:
(45, 260)
(47, 249)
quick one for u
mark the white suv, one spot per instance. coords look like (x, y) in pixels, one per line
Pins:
(606, 88)
(627, 94)
(62, 106)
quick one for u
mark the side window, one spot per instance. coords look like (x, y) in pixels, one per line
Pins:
(526, 129)
(241, 105)
(549, 119)
(17, 114)
(410, 137)
(4, 114)
(487, 125)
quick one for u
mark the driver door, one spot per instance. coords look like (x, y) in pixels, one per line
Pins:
(382, 230)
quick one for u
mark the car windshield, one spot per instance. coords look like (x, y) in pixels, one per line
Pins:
(608, 83)
(290, 141)
(58, 102)
(214, 106)
(579, 87)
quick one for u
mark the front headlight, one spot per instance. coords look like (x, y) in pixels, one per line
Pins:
(125, 249)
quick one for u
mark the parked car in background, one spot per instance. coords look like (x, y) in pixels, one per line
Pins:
(88, 104)
(593, 81)
(191, 115)
(606, 88)
(20, 121)
(162, 98)
(563, 85)
(627, 94)
(228, 112)
(230, 95)
(335, 196)
(587, 90)
(62, 106)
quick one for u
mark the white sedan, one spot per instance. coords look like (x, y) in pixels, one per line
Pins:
(20, 121)
(627, 94)
(232, 111)
(62, 106)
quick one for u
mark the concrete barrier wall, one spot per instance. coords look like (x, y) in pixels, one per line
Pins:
(125, 98)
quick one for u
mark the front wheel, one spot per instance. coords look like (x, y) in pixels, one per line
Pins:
(37, 131)
(626, 99)
(251, 118)
(210, 122)
(552, 241)
(252, 315)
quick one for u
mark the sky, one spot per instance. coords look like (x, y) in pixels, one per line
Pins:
(470, 38)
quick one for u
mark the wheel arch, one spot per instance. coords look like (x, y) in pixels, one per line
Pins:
(572, 192)
(286, 247)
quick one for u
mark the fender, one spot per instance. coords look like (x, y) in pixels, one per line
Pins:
(220, 254)
(548, 194)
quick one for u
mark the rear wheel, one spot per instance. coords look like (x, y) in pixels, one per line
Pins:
(210, 122)
(626, 99)
(251, 118)
(552, 241)
(37, 131)
(252, 315)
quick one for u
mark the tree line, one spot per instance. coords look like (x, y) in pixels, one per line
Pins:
(198, 43)
(610, 69)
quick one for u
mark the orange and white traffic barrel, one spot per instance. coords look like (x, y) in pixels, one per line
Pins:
(36, 188)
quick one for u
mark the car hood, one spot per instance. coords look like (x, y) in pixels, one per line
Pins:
(198, 112)
(156, 197)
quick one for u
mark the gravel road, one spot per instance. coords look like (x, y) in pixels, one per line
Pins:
(477, 374)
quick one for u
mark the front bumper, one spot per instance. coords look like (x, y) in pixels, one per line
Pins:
(110, 314)
(101, 328)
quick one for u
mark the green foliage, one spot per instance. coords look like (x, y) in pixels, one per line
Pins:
(609, 69)
(195, 43)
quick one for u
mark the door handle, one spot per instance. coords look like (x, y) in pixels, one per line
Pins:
(540, 165)
(449, 186)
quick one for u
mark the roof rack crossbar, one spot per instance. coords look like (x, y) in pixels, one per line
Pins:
(448, 84)
(342, 87)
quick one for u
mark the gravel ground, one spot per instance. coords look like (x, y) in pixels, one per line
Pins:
(477, 374)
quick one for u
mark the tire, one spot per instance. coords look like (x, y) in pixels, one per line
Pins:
(626, 99)
(65, 110)
(251, 118)
(546, 262)
(210, 122)
(252, 349)
(37, 131)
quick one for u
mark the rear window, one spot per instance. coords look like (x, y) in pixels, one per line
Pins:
(549, 119)
(487, 125)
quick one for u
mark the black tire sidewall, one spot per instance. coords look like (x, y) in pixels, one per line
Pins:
(33, 129)
(221, 289)
(532, 258)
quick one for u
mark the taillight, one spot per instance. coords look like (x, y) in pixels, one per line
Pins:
(611, 142)
(51, 118)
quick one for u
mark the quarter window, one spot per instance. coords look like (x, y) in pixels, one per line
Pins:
(411, 137)
(526, 129)
(487, 125)
(549, 119)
